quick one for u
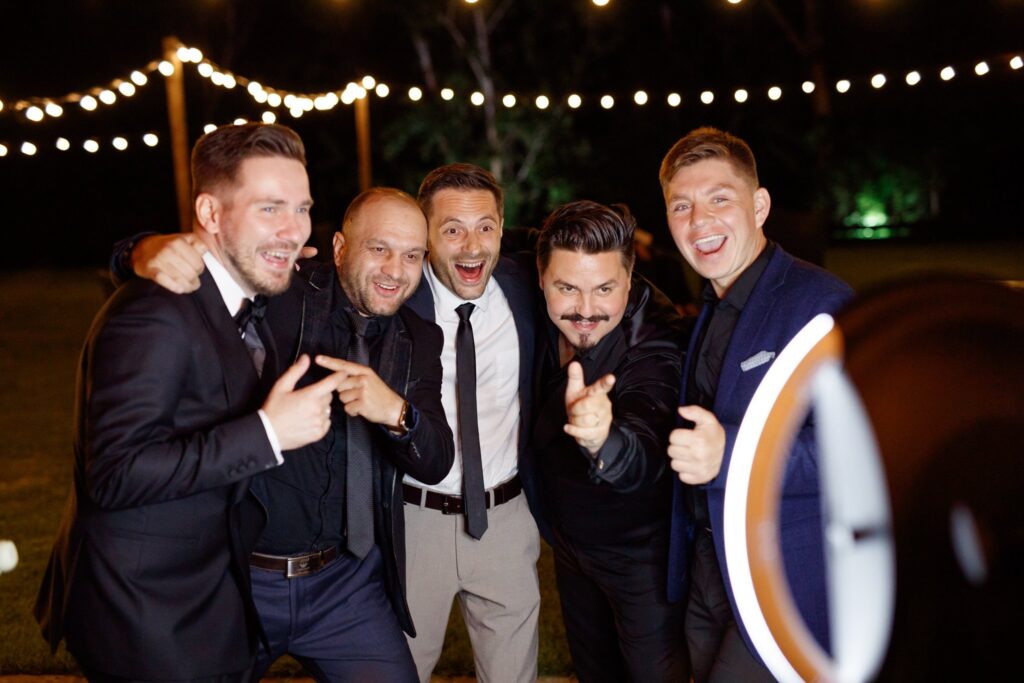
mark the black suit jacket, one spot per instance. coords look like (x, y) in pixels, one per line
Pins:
(148, 577)
(410, 363)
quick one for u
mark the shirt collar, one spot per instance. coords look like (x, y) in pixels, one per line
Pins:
(230, 291)
(741, 289)
(446, 301)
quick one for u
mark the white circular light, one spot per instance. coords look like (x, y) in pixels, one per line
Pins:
(981, 68)
(107, 96)
(291, 101)
(126, 88)
(640, 97)
(947, 73)
(913, 78)
(707, 97)
(369, 82)
(331, 100)
(91, 146)
(843, 85)
(261, 97)
(229, 81)
(877, 81)
(382, 90)
(34, 113)
(477, 98)
(542, 101)
(217, 78)
(305, 103)
(274, 99)
(600, 3)
(120, 143)
(296, 112)
(254, 88)
(774, 93)
(741, 95)
(575, 101)
(63, 144)
(88, 103)
(607, 101)
(348, 97)
(194, 55)
(3, 150)
(183, 54)
(447, 94)
(239, 122)
(509, 100)
(360, 92)
(28, 149)
(165, 68)
(674, 99)
(139, 78)
(150, 139)
(53, 109)
(807, 87)
(415, 94)
(205, 69)
(269, 117)
(1016, 62)
(209, 128)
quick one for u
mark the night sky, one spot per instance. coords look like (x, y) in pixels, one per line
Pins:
(960, 141)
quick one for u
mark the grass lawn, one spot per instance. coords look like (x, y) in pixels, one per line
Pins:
(44, 317)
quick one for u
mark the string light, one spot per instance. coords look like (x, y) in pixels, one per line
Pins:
(447, 94)
(415, 94)
(150, 139)
(542, 102)
(91, 146)
(139, 78)
(947, 73)
(877, 81)
(707, 97)
(269, 117)
(209, 128)
(34, 113)
(205, 70)
(574, 101)
(774, 93)
(63, 144)
(382, 90)
(3, 150)
(107, 97)
(509, 100)
(274, 100)
(477, 98)
(240, 122)
(674, 99)
(165, 68)
(88, 103)
(126, 88)
(607, 101)
(981, 68)
(807, 87)
(913, 78)
(28, 149)
(1015, 64)
(369, 82)
(843, 85)
(640, 97)
(740, 95)
(120, 143)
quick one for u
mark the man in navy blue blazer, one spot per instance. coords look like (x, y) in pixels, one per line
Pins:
(756, 299)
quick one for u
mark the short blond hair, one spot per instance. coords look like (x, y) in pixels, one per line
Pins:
(709, 143)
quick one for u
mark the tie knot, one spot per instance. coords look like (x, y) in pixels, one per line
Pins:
(252, 309)
(361, 325)
(464, 311)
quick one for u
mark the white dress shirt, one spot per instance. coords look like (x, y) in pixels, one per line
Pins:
(233, 295)
(497, 382)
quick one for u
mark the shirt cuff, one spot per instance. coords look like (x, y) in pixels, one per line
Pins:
(272, 437)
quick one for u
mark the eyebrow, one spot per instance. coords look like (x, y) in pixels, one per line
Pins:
(607, 283)
(276, 201)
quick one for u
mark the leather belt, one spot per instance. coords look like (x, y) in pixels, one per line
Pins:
(452, 505)
(300, 565)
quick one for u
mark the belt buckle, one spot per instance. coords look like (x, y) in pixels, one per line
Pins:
(445, 500)
(304, 565)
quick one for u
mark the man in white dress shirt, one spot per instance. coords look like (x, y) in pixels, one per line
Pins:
(472, 536)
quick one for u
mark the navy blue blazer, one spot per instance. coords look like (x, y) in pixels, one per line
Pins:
(520, 291)
(789, 293)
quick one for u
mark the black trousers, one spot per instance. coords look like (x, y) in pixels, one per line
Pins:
(618, 622)
(717, 649)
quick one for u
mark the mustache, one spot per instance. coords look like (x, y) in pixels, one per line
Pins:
(577, 318)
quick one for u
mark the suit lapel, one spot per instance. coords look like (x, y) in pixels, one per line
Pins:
(422, 301)
(520, 296)
(239, 374)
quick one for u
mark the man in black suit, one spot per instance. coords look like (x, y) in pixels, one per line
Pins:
(149, 577)
(608, 355)
(328, 581)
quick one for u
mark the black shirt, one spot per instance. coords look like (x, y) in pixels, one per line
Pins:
(715, 335)
(305, 497)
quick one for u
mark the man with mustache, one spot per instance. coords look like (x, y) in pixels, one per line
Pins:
(328, 570)
(606, 366)
(756, 299)
(148, 579)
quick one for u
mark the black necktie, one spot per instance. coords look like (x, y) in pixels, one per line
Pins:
(359, 456)
(469, 429)
(247, 319)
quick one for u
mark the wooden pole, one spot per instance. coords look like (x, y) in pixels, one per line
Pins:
(179, 133)
(363, 141)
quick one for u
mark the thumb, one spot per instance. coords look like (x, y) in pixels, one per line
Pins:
(699, 416)
(603, 385)
(286, 382)
(307, 252)
(574, 384)
(196, 243)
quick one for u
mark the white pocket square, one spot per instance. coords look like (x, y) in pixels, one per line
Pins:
(759, 358)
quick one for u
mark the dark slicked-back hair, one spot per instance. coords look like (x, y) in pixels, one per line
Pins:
(217, 155)
(371, 195)
(709, 143)
(459, 177)
(588, 227)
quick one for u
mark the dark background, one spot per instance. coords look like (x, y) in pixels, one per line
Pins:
(953, 150)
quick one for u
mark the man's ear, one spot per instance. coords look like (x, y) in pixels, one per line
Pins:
(208, 212)
(339, 247)
(762, 206)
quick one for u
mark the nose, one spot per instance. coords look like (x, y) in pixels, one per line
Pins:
(392, 266)
(700, 215)
(472, 243)
(585, 305)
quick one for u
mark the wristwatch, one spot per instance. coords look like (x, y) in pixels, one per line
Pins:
(406, 420)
